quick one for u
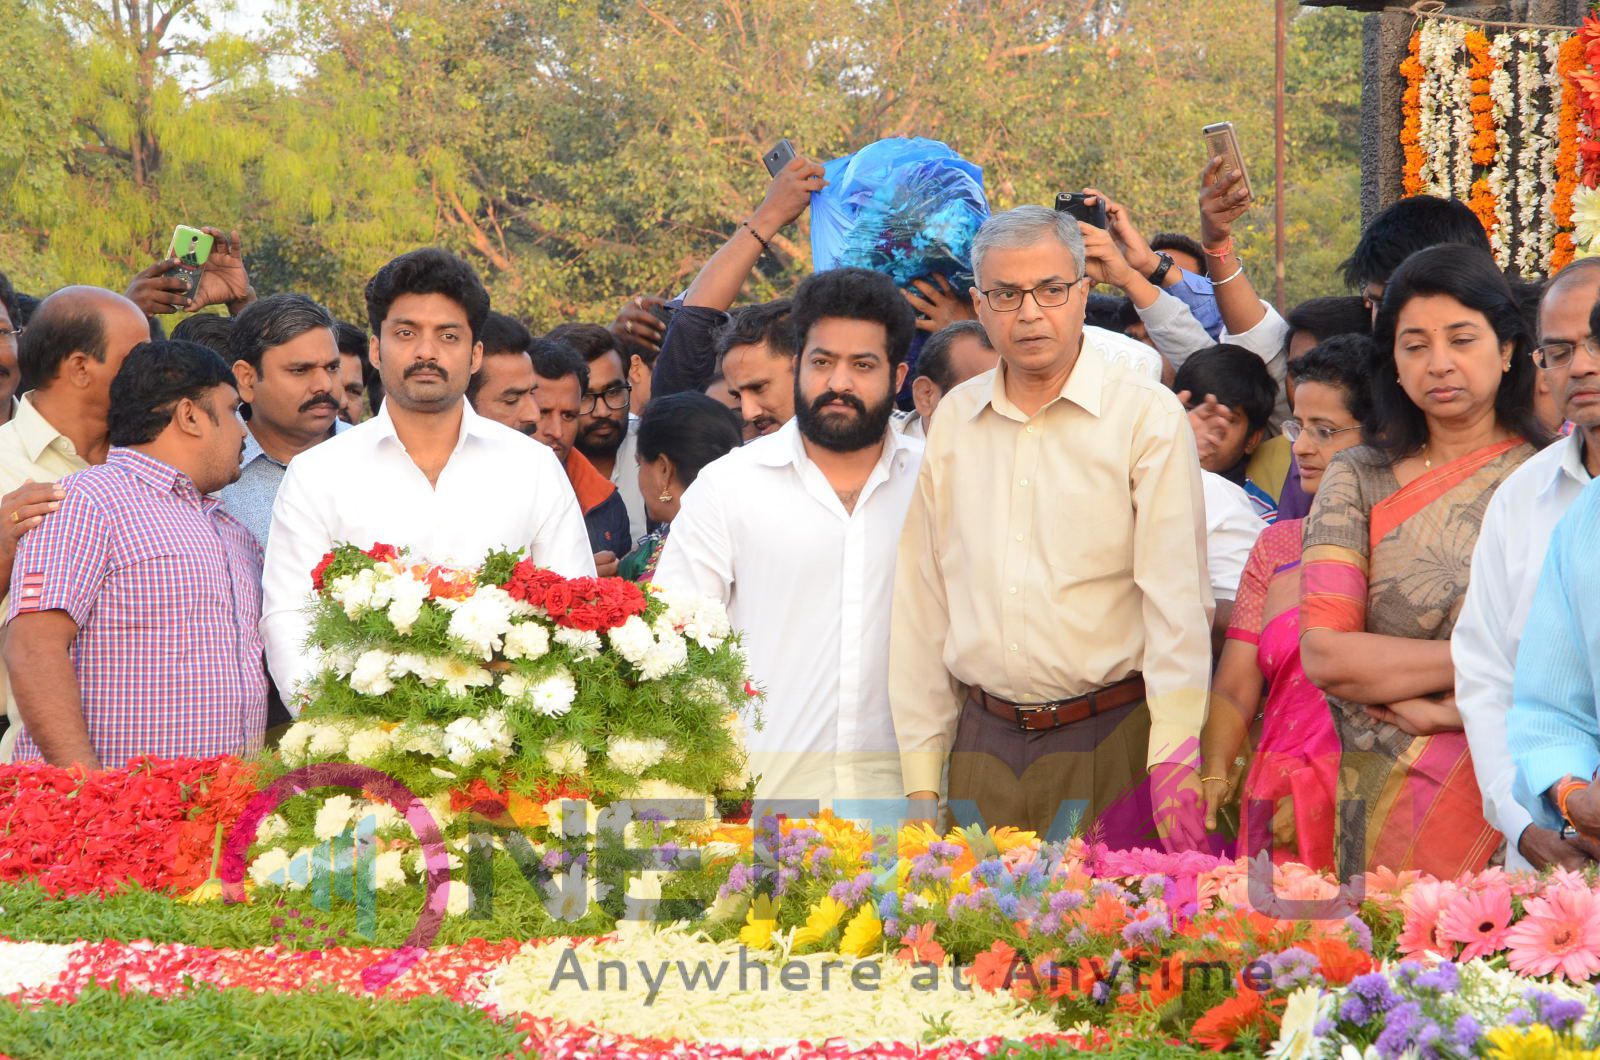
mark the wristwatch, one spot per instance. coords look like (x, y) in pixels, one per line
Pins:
(1162, 269)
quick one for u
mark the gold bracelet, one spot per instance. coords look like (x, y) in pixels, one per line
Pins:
(1204, 779)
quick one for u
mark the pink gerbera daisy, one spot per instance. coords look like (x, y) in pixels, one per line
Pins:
(1558, 933)
(1423, 903)
(1477, 919)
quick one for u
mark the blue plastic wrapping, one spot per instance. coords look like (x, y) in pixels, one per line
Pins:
(905, 208)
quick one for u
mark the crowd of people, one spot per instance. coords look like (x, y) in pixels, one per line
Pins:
(1166, 565)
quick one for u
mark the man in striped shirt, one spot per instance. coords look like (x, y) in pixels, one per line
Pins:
(133, 623)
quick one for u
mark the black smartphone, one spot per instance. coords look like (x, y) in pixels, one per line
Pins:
(779, 156)
(1076, 203)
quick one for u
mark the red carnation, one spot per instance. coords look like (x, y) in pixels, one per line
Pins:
(557, 599)
(319, 570)
(584, 616)
(383, 553)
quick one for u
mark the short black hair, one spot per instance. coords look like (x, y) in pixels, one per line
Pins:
(26, 304)
(934, 360)
(1410, 225)
(1397, 428)
(771, 323)
(353, 341)
(52, 336)
(590, 340)
(1237, 377)
(691, 429)
(269, 322)
(155, 377)
(1323, 318)
(8, 299)
(1103, 311)
(553, 359)
(427, 271)
(210, 330)
(856, 294)
(1187, 244)
(503, 334)
(1343, 361)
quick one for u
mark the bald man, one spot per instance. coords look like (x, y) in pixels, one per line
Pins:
(74, 344)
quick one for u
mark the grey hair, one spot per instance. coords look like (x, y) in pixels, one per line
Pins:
(1024, 226)
(272, 321)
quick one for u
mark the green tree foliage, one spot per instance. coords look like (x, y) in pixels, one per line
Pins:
(579, 151)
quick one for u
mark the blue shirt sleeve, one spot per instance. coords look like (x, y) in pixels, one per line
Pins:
(1197, 293)
(1552, 729)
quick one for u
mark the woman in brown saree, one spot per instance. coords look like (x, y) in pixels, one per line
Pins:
(1388, 545)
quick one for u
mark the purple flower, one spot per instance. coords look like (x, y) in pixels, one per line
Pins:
(1065, 901)
(1466, 1033)
(1445, 979)
(1147, 932)
(1520, 1017)
(1291, 968)
(891, 928)
(1008, 904)
(888, 906)
(1400, 1026)
(1323, 1029)
(1362, 934)
(1354, 1010)
(1048, 924)
(1559, 1014)
(1374, 989)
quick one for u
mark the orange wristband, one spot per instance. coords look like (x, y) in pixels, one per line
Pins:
(1564, 792)
(1222, 252)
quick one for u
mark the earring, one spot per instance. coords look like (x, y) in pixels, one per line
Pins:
(664, 497)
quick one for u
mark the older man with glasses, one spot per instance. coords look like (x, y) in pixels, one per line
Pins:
(1050, 639)
(1510, 553)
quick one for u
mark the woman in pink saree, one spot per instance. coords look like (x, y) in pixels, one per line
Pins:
(1288, 797)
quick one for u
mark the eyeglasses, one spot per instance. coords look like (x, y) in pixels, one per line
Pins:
(616, 398)
(9, 336)
(1558, 354)
(1045, 296)
(1293, 429)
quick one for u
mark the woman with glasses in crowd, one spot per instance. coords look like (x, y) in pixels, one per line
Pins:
(1388, 547)
(1288, 793)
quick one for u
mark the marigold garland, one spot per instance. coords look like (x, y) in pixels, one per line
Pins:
(1571, 63)
(1411, 127)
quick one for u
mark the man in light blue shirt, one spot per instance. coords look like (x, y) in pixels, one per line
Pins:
(1554, 725)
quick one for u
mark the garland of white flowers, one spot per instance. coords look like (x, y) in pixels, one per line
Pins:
(1434, 128)
(1500, 172)
(1537, 93)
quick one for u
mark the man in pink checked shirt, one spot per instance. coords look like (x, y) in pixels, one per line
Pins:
(135, 605)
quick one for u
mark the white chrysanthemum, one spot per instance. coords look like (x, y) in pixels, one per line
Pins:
(465, 739)
(368, 744)
(633, 755)
(573, 817)
(408, 662)
(438, 807)
(632, 640)
(406, 597)
(419, 862)
(677, 801)
(420, 738)
(371, 676)
(292, 745)
(339, 661)
(583, 644)
(269, 863)
(526, 640)
(459, 900)
(389, 870)
(709, 625)
(1585, 216)
(457, 677)
(385, 818)
(670, 654)
(273, 826)
(353, 592)
(566, 758)
(333, 816)
(482, 620)
(495, 727)
(327, 741)
(554, 695)
(514, 686)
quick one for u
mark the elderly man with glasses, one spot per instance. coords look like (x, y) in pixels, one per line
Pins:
(1051, 630)
(1510, 553)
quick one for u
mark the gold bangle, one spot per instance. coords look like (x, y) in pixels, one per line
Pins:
(1204, 779)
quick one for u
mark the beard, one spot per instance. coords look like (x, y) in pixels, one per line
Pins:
(595, 440)
(841, 432)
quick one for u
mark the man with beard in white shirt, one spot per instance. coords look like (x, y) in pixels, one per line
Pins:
(426, 473)
(1510, 553)
(797, 531)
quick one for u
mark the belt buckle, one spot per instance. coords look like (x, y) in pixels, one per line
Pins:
(1022, 719)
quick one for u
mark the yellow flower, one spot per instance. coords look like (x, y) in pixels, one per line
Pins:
(824, 917)
(1537, 1042)
(759, 924)
(1009, 838)
(914, 839)
(863, 934)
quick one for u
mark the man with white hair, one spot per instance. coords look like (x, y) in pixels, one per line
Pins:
(1050, 632)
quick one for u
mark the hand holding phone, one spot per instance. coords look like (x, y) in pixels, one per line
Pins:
(1222, 142)
(1076, 203)
(794, 181)
(780, 156)
(190, 248)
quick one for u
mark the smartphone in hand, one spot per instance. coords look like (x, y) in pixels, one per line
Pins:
(779, 156)
(1076, 203)
(1222, 142)
(191, 247)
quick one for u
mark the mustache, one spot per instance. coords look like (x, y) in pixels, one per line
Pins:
(320, 401)
(848, 399)
(426, 366)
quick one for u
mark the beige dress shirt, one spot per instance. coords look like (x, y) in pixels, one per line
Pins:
(30, 449)
(1046, 556)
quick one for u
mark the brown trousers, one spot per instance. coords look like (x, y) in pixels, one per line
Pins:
(1087, 778)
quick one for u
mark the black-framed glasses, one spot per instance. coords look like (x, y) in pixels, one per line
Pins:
(1559, 354)
(1045, 296)
(616, 397)
(1293, 429)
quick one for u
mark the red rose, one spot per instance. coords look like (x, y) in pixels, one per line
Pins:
(557, 599)
(319, 570)
(584, 616)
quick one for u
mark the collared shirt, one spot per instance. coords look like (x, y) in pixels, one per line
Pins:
(249, 499)
(625, 476)
(499, 490)
(1232, 527)
(909, 424)
(1125, 352)
(164, 587)
(1511, 548)
(31, 450)
(809, 586)
(1553, 729)
(1046, 556)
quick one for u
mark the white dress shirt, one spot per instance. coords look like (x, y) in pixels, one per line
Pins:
(1232, 527)
(500, 489)
(1129, 353)
(809, 585)
(625, 476)
(1506, 563)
